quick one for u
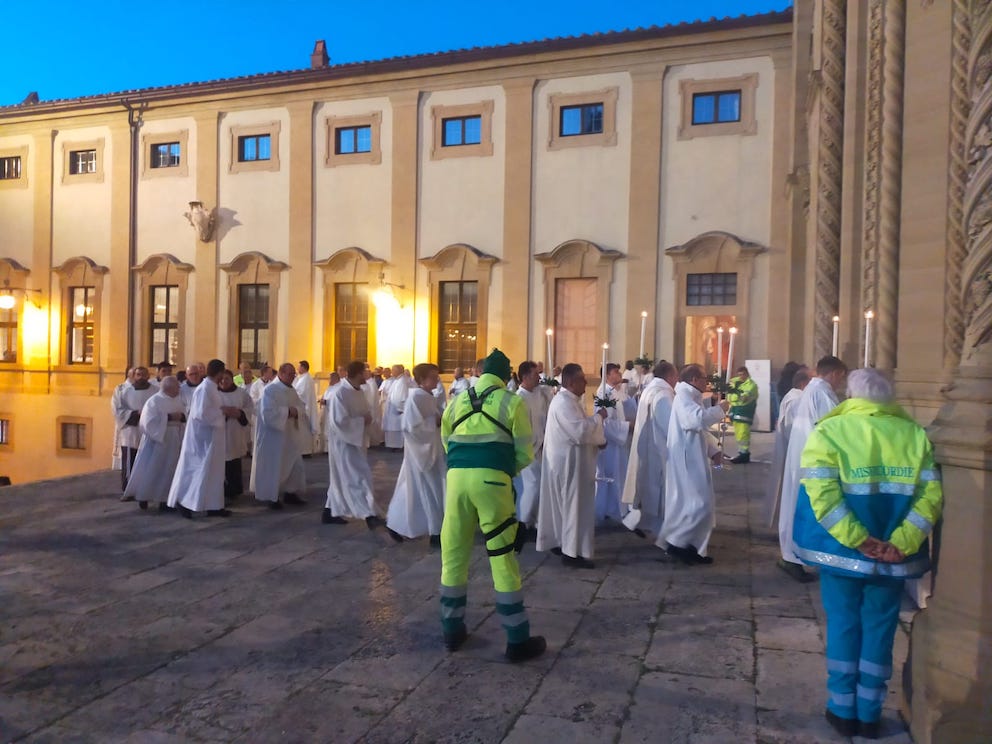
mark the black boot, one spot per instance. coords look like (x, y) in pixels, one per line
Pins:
(373, 522)
(188, 513)
(870, 730)
(435, 541)
(328, 518)
(743, 458)
(397, 537)
(577, 562)
(142, 505)
(843, 726)
(529, 649)
(218, 512)
(454, 641)
(292, 498)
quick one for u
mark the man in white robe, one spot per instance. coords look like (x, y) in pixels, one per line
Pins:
(458, 385)
(265, 376)
(566, 520)
(818, 399)
(236, 433)
(163, 421)
(611, 462)
(115, 410)
(392, 419)
(349, 491)
(198, 484)
(132, 399)
(644, 486)
(783, 428)
(373, 433)
(283, 430)
(417, 506)
(528, 483)
(690, 504)
(194, 376)
(306, 388)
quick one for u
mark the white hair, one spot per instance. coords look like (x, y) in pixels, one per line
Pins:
(870, 384)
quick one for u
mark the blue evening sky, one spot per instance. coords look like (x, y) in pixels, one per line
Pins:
(102, 47)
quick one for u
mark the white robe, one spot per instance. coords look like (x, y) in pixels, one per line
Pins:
(644, 486)
(199, 480)
(115, 408)
(392, 420)
(818, 399)
(567, 514)
(349, 491)
(131, 400)
(277, 464)
(611, 463)
(457, 386)
(158, 453)
(417, 506)
(528, 482)
(186, 393)
(255, 392)
(236, 436)
(690, 508)
(306, 388)
(373, 433)
(786, 414)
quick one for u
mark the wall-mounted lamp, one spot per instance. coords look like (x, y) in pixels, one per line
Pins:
(383, 295)
(8, 295)
(203, 219)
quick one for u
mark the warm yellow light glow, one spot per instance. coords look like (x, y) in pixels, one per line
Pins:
(644, 313)
(733, 329)
(869, 315)
(605, 347)
(549, 332)
(7, 302)
(836, 319)
(35, 333)
(383, 298)
(83, 310)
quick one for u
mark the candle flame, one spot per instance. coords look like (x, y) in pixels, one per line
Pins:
(733, 329)
(605, 347)
(836, 319)
(549, 332)
(644, 313)
(869, 315)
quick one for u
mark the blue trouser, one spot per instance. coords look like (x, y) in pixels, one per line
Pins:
(862, 615)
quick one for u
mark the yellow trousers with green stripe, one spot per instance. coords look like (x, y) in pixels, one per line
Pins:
(742, 433)
(481, 498)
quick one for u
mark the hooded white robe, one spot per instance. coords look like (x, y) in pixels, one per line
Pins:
(567, 514)
(818, 399)
(158, 453)
(783, 428)
(528, 482)
(199, 480)
(349, 491)
(611, 463)
(277, 464)
(306, 388)
(690, 508)
(644, 486)
(417, 506)
(237, 437)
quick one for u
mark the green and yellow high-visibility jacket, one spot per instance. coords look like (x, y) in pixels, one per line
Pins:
(744, 403)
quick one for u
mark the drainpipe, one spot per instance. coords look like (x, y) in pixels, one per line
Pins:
(134, 122)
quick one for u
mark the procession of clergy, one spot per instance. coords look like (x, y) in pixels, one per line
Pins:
(644, 458)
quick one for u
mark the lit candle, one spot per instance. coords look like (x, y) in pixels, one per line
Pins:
(836, 332)
(550, 371)
(719, 351)
(603, 368)
(730, 353)
(644, 323)
(868, 316)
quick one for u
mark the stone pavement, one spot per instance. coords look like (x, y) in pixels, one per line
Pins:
(124, 626)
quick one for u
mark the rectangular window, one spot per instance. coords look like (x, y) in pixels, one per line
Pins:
(164, 333)
(352, 140)
(720, 107)
(4, 432)
(711, 289)
(73, 436)
(82, 161)
(10, 167)
(81, 326)
(253, 324)
(351, 323)
(8, 335)
(254, 147)
(586, 118)
(165, 155)
(458, 325)
(461, 130)
(575, 337)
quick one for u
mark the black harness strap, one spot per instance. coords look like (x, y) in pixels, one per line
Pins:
(499, 530)
(477, 401)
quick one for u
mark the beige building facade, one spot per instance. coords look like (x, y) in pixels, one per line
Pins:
(769, 173)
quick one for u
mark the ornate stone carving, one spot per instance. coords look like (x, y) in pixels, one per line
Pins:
(873, 158)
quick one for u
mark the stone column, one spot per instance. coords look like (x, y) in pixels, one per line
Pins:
(299, 282)
(205, 289)
(402, 267)
(950, 668)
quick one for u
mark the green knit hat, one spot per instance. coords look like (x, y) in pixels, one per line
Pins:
(497, 364)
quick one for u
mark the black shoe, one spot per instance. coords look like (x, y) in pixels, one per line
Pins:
(127, 498)
(555, 551)
(454, 641)
(743, 458)
(577, 562)
(163, 507)
(188, 513)
(639, 532)
(275, 505)
(142, 505)
(435, 541)
(328, 518)
(702, 560)
(683, 555)
(397, 537)
(373, 522)
(868, 730)
(843, 726)
(795, 571)
(529, 649)
(292, 498)
(219, 512)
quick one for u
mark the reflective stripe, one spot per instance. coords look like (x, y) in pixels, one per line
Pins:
(845, 699)
(492, 436)
(863, 565)
(875, 670)
(871, 693)
(509, 597)
(920, 522)
(843, 667)
(819, 472)
(834, 516)
(512, 621)
(452, 612)
(454, 591)
(504, 407)
(869, 489)
(929, 475)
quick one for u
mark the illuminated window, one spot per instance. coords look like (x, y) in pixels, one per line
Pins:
(8, 335)
(458, 325)
(253, 324)
(10, 167)
(5, 432)
(711, 289)
(351, 322)
(164, 335)
(81, 329)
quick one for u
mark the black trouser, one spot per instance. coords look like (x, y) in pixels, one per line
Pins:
(233, 482)
(127, 463)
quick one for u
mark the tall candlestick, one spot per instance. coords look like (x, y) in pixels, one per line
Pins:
(868, 316)
(644, 323)
(550, 371)
(730, 353)
(836, 332)
(719, 351)
(603, 369)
